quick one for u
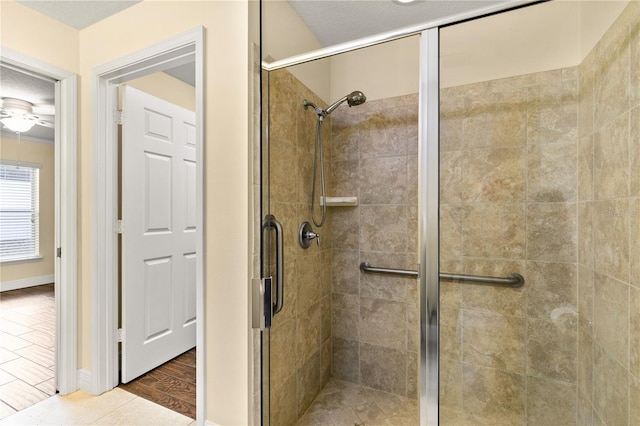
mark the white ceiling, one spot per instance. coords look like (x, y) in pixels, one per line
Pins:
(338, 21)
(31, 88)
(79, 13)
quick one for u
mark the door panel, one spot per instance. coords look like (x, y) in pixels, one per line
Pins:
(158, 244)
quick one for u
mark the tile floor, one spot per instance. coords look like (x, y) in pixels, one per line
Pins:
(27, 343)
(116, 407)
(344, 403)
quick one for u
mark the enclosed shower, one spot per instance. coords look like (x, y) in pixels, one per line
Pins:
(537, 225)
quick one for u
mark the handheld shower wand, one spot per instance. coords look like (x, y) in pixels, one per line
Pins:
(354, 98)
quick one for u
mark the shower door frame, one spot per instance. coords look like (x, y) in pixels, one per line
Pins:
(428, 187)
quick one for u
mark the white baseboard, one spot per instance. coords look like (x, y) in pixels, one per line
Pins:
(84, 380)
(26, 282)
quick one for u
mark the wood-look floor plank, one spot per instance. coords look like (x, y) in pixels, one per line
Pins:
(170, 385)
(19, 395)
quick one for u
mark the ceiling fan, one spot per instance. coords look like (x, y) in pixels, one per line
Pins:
(18, 115)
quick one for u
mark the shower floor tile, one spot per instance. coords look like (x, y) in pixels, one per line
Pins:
(345, 403)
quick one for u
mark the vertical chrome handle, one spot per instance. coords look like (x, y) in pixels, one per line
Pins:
(272, 223)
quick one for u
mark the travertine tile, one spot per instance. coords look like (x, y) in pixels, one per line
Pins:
(634, 148)
(634, 45)
(585, 364)
(308, 333)
(552, 114)
(450, 177)
(413, 378)
(494, 299)
(496, 396)
(346, 229)
(634, 331)
(451, 384)
(611, 317)
(451, 216)
(345, 271)
(493, 175)
(382, 134)
(586, 95)
(492, 340)
(551, 290)
(552, 348)
(585, 233)
(346, 360)
(389, 187)
(346, 321)
(383, 322)
(494, 118)
(412, 179)
(634, 396)
(492, 230)
(551, 232)
(392, 378)
(283, 353)
(309, 382)
(384, 286)
(611, 238)
(612, 75)
(585, 168)
(611, 159)
(584, 410)
(634, 241)
(344, 178)
(550, 402)
(412, 230)
(551, 172)
(610, 390)
(383, 228)
(284, 402)
(585, 298)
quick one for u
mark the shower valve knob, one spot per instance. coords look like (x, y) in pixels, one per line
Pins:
(305, 235)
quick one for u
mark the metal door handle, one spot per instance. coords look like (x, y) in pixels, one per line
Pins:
(272, 223)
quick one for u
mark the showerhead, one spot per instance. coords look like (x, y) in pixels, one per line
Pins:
(354, 98)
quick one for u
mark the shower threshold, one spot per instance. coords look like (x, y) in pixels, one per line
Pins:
(345, 403)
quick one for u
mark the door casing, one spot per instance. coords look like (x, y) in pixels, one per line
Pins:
(66, 203)
(178, 50)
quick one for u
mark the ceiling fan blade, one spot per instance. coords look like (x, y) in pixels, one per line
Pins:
(44, 124)
(44, 109)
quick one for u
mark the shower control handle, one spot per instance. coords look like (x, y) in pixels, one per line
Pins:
(306, 234)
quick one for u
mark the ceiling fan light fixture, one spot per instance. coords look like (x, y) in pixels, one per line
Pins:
(18, 123)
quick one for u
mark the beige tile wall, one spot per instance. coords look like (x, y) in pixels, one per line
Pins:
(609, 226)
(375, 318)
(540, 176)
(301, 332)
(508, 204)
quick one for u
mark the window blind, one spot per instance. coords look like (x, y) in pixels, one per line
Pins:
(19, 211)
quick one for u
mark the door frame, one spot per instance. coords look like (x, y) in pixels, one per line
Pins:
(175, 51)
(66, 212)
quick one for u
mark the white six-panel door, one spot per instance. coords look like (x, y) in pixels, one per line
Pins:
(159, 239)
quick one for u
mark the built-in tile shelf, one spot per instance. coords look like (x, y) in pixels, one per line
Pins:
(340, 201)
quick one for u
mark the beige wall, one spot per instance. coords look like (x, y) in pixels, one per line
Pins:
(285, 35)
(164, 86)
(228, 168)
(43, 154)
(609, 227)
(508, 204)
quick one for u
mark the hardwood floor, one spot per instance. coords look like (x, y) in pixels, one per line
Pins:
(172, 385)
(27, 344)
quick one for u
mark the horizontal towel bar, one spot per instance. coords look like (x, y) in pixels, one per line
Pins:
(514, 280)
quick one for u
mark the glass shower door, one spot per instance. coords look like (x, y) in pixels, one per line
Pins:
(539, 165)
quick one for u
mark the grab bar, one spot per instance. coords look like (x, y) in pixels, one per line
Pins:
(514, 280)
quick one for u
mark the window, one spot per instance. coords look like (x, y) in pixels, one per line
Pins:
(19, 211)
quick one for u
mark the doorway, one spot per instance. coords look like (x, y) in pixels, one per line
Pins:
(50, 334)
(180, 50)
